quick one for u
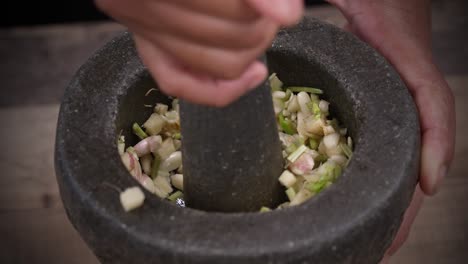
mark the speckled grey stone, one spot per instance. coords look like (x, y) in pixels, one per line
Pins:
(353, 221)
(232, 155)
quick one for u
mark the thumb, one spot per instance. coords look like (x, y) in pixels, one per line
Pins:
(437, 114)
(283, 12)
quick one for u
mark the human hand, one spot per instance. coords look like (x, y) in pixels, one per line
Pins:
(204, 51)
(400, 30)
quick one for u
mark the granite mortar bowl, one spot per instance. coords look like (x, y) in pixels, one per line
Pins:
(353, 221)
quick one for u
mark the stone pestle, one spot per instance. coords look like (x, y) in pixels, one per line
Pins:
(232, 155)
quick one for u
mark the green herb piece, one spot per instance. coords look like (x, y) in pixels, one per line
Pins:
(130, 150)
(305, 89)
(288, 95)
(264, 209)
(314, 109)
(286, 125)
(318, 186)
(313, 144)
(155, 166)
(175, 195)
(139, 131)
(291, 148)
(331, 171)
(177, 136)
(290, 193)
(321, 158)
(346, 150)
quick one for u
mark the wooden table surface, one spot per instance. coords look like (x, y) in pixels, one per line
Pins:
(38, 62)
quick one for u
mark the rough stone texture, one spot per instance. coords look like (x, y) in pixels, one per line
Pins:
(353, 221)
(232, 155)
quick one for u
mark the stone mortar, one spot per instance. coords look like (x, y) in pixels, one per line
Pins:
(353, 221)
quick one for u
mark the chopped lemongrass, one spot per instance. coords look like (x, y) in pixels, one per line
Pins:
(315, 148)
(150, 90)
(286, 125)
(346, 150)
(287, 179)
(293, 147)
(264, 209)
(297, 153)
(313, 144)
(305, 89)
(155, 166)
(163, 186)
(166, 149)
(131, 150)
(290, 193)
(330, 170)
(177, 136)
(177, 144)
(288, 95)
(121, 145)
(132, 198)
(316, 187)
(175, 195)
(138, 131)
(321, 158)
(175, 105)
(314, 109)
(154, 124)
(161, 109)
(275, 83)
(302, 196)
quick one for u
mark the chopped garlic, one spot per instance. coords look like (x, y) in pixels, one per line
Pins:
(287, 179)
(132, 198)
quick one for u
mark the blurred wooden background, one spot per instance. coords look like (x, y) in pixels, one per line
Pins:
(36, 65)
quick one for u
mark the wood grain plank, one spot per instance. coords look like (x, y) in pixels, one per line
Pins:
(41, 236)
(27, 164)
